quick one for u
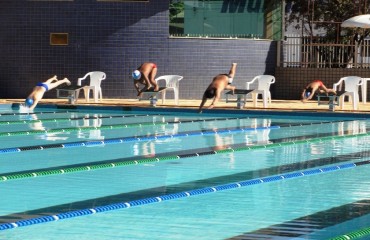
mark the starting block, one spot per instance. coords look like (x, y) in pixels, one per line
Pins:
(241, 97)
(69, 92)
(328, 99)
(151, 95)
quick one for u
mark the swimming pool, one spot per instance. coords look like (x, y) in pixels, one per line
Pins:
(139, 174)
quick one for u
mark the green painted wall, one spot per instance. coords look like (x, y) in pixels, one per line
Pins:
(236, 18)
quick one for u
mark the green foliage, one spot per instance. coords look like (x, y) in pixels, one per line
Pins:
(324, 15)
(176, 7)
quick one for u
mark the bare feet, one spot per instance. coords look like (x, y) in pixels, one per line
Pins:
(53, 79)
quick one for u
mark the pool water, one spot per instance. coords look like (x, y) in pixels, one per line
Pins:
(115, 174)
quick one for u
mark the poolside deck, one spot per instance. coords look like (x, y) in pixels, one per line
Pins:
(276, 105)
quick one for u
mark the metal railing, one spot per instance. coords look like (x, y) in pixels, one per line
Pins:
(306, 52)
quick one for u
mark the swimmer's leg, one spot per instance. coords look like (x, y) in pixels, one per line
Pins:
(232, 70)
(152, 75)
(50, 80)
(60, 82)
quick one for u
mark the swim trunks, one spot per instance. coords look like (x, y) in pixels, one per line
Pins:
(319, 81)
(43, 85)
(230, 78)
(210, 93)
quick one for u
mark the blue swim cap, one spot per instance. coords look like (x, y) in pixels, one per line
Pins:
(308, 94)
(28, 102)
(136, 74)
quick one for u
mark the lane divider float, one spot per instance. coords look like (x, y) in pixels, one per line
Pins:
(115, 126)
(96, 166)
(68, 119)
(194, 192)
(122, 163)
(354, 235)
(31, 113)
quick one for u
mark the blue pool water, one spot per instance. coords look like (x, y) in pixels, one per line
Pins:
(133, 174)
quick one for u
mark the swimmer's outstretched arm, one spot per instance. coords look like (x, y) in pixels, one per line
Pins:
(204, 100)
(216, 99)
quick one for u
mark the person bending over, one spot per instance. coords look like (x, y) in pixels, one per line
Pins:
(145, 74)
(315, 86)
(42, 87)
(218, 84)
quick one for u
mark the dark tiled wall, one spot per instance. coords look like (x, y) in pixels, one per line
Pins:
(291, 81)
(200, 60)
(115, 38)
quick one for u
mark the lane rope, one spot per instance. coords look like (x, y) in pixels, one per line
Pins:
(116, 140)
(112, 164)
(32, 113)
(194, 192)
(69, 119)
(354, 235)
(148, 138)
(115, 126)
(122, 163)
(31, 132)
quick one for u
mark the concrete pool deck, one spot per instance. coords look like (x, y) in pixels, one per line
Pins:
(276, 105)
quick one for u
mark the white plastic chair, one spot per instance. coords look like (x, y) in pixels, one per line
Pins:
(94, 86)
(171, 82)
(351, 87)
(263, 88)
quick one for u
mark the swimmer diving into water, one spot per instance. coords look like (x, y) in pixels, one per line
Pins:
(38, 91)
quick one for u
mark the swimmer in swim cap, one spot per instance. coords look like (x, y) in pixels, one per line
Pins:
(218, 84)
(38, 91)
(313, 87)
(136, 75)
(145, 74)
(28, 102)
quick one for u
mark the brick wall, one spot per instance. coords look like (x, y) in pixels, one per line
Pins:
(291, 81)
